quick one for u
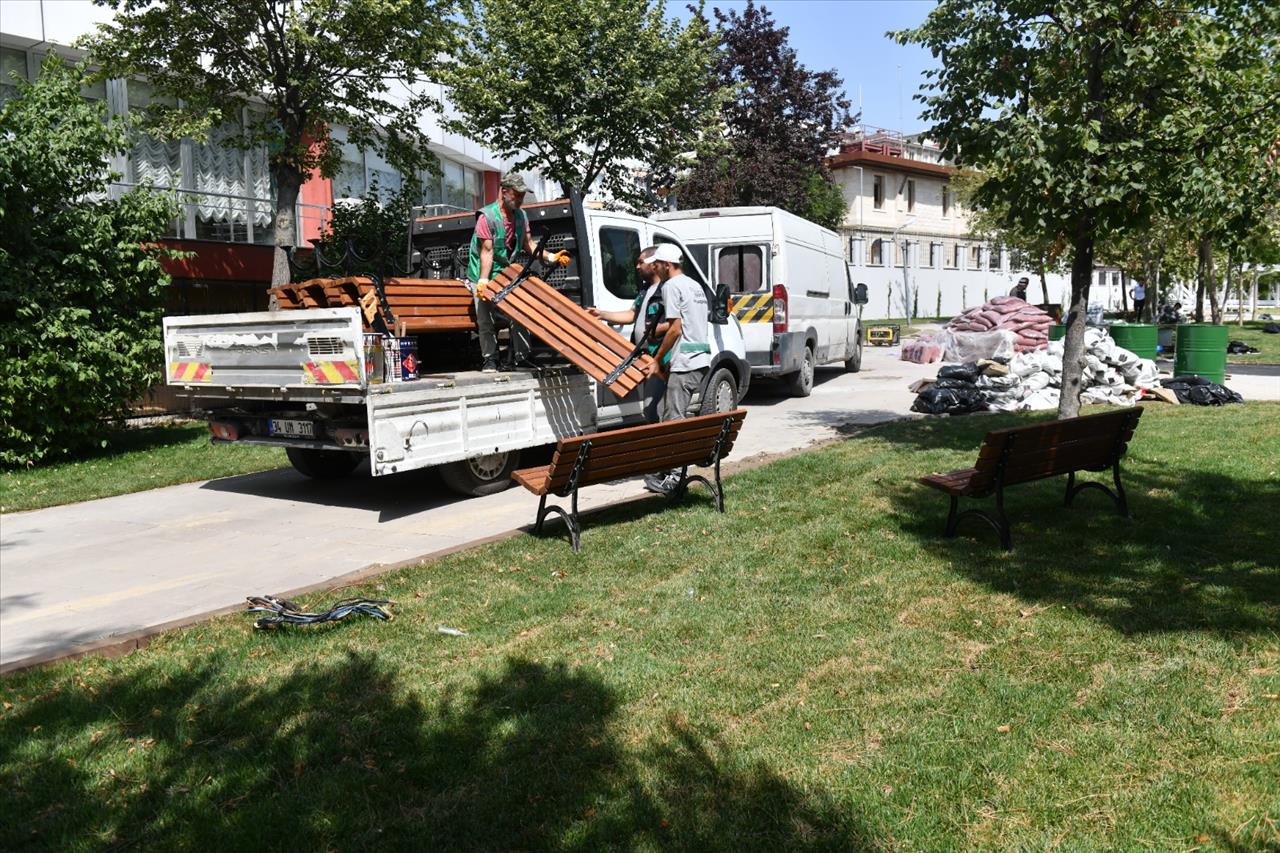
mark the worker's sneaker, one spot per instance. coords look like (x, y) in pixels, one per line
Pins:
(490, 366)
(662, 484)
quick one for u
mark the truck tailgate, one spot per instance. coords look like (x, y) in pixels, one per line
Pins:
(266, 349)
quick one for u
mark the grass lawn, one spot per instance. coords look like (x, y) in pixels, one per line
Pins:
(1251, 333)
(817, 669)
(135, 460)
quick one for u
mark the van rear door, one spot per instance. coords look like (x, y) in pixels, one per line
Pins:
(744, 268)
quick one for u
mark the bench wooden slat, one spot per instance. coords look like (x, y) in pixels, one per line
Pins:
(637, 444)
(621, 436)
(619, 469)
(535, 480)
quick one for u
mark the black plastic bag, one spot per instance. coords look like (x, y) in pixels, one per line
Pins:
(957, 384)
(1198, 391)
(1240, 348)
(969, 371)
(949, 401)
(1272, 328)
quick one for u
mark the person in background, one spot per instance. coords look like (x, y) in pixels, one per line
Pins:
(1020, 289)
(502, 230)
(687, 339)
(646, 308)
(1139, 295)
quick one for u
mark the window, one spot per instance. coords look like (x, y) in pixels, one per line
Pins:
(911, 195)
(386, 181)
(946, 201)
(350, 181)
(953, 257)
(619, 251)
(975, 257)
(11, 62)
(741, 268)
(1102, 278)
(151, 161)
(701, 255)
(221, 179)
(935, 255)
(877, 190)
(993, 259)
(455, 177)
(875, 253)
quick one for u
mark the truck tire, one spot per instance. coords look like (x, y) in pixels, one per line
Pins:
(854, 363)
(322, 464)
(486, 474)
(802, 380)
(721, 394)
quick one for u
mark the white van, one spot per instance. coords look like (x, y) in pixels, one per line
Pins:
(789, 284)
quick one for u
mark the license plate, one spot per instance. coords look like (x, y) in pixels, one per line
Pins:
(291, 428)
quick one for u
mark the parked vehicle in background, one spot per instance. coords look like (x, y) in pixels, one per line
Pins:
(299, 379)
(789, 284)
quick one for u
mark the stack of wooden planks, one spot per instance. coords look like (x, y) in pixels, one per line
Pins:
(419, 305)
(587, 343)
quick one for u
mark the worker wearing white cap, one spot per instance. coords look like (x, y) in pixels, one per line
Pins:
(686, 339)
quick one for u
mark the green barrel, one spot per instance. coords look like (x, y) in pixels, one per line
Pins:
(1138, 338)
(1057, 332)
(1202, 350)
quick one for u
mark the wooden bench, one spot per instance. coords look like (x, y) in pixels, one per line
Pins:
(1024, 454)
(605, 456)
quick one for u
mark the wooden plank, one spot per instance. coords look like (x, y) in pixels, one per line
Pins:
(605, 451)
(657, 461)
(614, 436)
(535, 480)
(587, 343)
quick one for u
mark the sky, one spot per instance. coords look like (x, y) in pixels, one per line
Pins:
(849, 36)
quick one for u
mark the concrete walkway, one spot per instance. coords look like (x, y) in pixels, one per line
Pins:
(111, 572)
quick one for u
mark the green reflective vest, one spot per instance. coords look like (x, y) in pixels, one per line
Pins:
(493, 213)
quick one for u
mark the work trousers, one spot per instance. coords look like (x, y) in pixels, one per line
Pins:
(520, 342)
(680, 390)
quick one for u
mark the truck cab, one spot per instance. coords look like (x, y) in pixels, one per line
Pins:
(298, 379)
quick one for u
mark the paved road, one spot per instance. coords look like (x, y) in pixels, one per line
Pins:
(82, 574)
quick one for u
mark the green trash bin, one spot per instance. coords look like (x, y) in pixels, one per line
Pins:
(1057, 332)
(1137, 338)
(1202, 351)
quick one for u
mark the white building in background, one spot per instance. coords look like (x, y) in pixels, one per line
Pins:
(910, 242)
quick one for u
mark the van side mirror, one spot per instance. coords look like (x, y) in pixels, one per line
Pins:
(860, 294)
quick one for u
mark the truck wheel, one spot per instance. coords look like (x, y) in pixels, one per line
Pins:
(721, 394)
(482, 475)
(854, 363)
(322, 464)
(802, 379)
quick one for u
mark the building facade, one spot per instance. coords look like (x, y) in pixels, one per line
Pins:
(227, 201)
(911, 243)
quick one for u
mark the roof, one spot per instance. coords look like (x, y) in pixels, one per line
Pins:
(889, 162)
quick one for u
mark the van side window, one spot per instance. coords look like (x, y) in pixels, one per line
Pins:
(619, 251)
(741, 268)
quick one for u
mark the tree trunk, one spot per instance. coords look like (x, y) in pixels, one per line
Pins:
(1215, 300)
(1044, 282)
(1073, 343)
(1124, 293)
(1240, 296)
(288, 180)
(1253, 296)
(1204, 281)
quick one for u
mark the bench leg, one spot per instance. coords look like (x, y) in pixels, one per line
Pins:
(717, 488)
(571, 520)
(998, 522)
(1122, 504)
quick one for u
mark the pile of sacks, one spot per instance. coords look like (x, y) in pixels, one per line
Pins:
(1029, 324)
(1033, 380)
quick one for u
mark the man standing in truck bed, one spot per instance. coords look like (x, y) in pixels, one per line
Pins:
(502, 230)
(686, 339)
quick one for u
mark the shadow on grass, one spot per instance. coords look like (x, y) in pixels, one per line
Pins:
(340, 754)
(1199, 553)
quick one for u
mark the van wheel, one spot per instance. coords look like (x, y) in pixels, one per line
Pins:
(854, 363)
(322, 464)
(721, 394)
(802, 379)
(486, 474)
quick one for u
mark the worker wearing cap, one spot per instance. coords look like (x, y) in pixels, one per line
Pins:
(502, 230)
(1020, 289)
(687, 340)
(646, 311)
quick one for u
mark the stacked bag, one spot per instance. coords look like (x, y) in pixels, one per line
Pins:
(1029, 324)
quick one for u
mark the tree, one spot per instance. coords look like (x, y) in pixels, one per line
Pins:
(1066, 105)
(375, 229)
(589, 91)
(81, 284)
(310, 63)
(780, 124)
